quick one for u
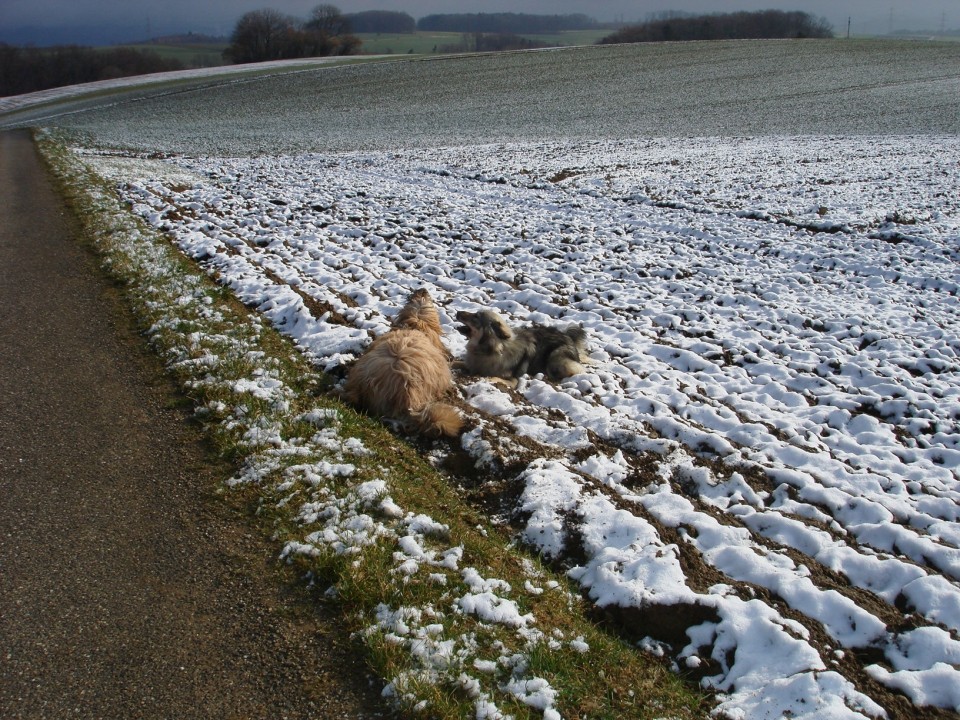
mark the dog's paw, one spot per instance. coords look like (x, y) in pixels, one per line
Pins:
(398, 427)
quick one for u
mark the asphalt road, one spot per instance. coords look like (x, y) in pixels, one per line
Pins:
(128, 589)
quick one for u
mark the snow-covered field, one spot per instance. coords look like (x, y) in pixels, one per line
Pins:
(758, 476)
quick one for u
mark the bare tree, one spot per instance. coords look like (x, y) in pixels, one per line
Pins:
(271, 35)
(328, 32)
(261, 35)
(328, 20)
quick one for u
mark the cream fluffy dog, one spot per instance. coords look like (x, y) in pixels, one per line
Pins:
(404, 374)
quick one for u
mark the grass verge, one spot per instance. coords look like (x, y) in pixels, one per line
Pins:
(457, 621)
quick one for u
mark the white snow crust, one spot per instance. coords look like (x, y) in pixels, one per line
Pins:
(768, 427)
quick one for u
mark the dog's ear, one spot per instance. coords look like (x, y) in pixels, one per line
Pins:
(500, 328)
(421, 295)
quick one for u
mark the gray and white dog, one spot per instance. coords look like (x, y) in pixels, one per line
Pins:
(494, 349)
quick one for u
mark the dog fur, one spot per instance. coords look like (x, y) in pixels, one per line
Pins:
(404, 374)
(494, 349)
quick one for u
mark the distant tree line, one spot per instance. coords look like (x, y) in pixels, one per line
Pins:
(489, 42)
(504, 23)
(272, 35)
(725, 26)
(381, 21)
(29, 69)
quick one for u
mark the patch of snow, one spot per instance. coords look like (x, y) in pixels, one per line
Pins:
(772, 399)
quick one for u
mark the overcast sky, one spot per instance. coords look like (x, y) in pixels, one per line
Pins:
(145, 18)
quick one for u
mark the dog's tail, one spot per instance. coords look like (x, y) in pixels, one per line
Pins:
(579, 337)
(438, 419)
(568, 360)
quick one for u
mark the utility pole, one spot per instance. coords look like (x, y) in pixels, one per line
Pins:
(848, 27)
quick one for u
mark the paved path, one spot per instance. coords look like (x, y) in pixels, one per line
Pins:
(127, 589)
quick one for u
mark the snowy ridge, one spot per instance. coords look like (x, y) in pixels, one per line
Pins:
(13, 103)
(767, 438)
